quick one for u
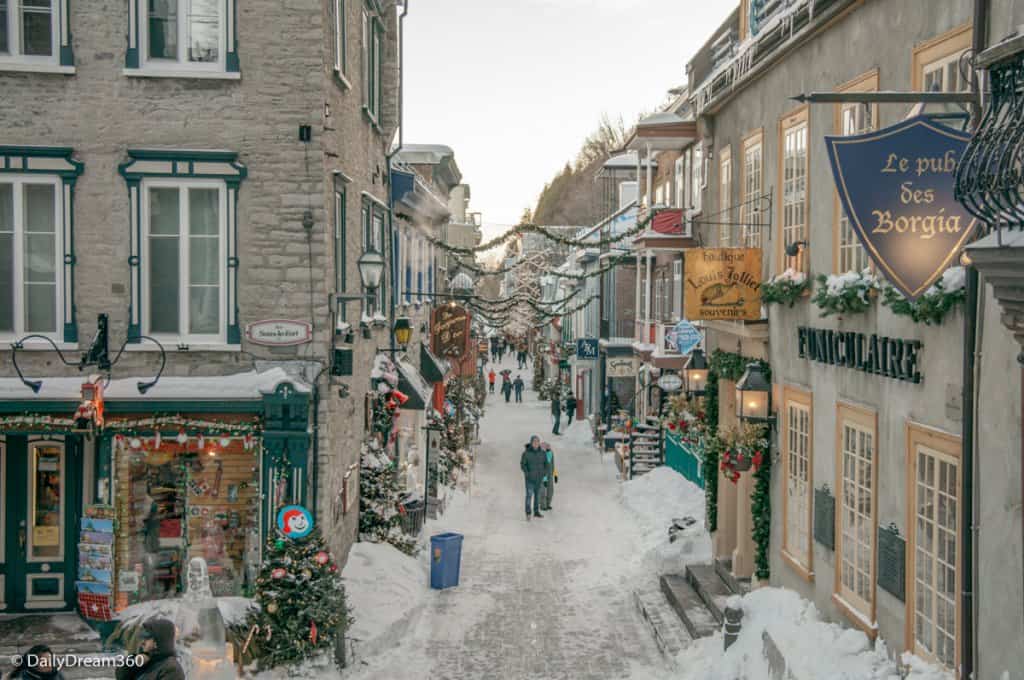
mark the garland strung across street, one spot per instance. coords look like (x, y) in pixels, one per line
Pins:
(604, 269)
(567, 312)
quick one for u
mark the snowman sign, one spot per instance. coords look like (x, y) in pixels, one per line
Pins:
(294, 522)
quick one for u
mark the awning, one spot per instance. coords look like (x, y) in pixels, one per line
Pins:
(433, 369)
(412, 384)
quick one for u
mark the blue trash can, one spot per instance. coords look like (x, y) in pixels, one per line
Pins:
(445, 560)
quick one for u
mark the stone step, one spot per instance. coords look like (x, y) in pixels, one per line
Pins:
(670, 635)
(709, 587)
(739, 586)
(689, 606)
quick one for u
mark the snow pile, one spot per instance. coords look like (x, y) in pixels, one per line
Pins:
(385, 589)
(184, 614)
(812, 648)
(656, 499)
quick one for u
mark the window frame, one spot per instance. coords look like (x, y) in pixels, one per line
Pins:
(865, 82)
(139, 64)
(754, 140)
(936, 49)
(861, 613)
(61, 58)
(340, 237)
(949, 447)
(341, 41)
(677, 289)
(725, 182)
(42, 165)
(802, 565)
(184, 335)
(370, 209)
(789, 122)
(372, 50)
(697, 184)
(680, 181)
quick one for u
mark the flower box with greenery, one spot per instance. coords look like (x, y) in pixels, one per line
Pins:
(932, 307)
(848, 293)
(744, 447)
(687, 417)
(785, 288)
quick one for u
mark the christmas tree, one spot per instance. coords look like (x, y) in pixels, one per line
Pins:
(302, 609)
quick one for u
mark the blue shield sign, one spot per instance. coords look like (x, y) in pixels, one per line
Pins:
(896, 186)
(687, 336)
(586, 348)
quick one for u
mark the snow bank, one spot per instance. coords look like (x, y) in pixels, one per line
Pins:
(657, 498)
(184, 614)
(385, 590)
(814, 649)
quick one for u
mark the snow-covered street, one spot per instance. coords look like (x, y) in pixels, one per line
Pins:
(549, 598)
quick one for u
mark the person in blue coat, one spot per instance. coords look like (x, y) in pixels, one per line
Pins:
(550, 476)
(533, 463)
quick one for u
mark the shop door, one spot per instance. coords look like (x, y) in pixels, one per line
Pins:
(40, 480)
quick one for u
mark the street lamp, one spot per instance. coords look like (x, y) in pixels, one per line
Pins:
(753, 396)
(403, 330)
(696, 372)
(371, 269)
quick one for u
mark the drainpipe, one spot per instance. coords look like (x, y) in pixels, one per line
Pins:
(972, 342)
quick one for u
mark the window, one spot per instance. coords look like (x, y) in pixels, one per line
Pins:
(677, 289)
(34, 36)
(697, 177)
(752, 215)
(184, 230)
(659, 195)
(725, 198)
(853, 119)
(798, 471)
(182, 38)
(681, 181)
(340, 38)
(794, 187)
(340, 245)
(933, 545)
(30, 256)
(936, 64)
(856, 472)
(372, 60)
(373, 222)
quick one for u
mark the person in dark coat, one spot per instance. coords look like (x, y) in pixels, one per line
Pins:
(506, 389)
(157, 649)
(36, 664)
(518, 386)
(550, 477)
(570, 409)
(533, 463)
(556, 412)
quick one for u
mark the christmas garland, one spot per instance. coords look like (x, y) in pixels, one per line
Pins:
(712, 449)
(932, 307)
(136, 426)
(546, 233)
(848, 293)
(545, 318)
(761, 509)
(785, 289)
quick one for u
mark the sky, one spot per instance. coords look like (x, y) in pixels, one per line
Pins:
(515, 86)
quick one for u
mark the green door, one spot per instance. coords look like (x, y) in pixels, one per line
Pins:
(40, 479)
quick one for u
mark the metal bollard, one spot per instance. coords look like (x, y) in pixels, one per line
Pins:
(733, 623)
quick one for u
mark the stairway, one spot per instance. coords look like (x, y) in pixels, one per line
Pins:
(645, 447)
(699, 595)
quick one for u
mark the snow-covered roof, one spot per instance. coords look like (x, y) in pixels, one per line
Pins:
(628, 160)
(238, 387)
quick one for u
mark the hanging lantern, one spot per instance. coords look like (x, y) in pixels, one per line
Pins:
(696, 373)
(753, 395)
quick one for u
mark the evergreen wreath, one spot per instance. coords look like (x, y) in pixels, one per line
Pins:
(848, 293)
(932, 307)
(785, 288)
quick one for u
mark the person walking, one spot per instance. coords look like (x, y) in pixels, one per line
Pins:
(518, 386)
(556, 412)
(157, 649)
(36, 664)
(506, 389)
(550, 477)
(570, 408)
(491, 377)
(533, 463)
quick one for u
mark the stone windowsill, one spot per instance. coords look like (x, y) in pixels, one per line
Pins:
(180, 73)
(36, 67)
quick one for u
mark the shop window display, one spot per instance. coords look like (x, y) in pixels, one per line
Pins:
(183, 498)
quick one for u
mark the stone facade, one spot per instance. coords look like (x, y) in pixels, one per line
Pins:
(285, 269)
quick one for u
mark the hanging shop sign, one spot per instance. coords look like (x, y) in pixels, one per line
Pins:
(686, 337)
(279, 332)
(586, 348)
(670, 382)
(890, 357)
(723, 284)
(620, 367)
(449, 331)
(294, 521)
(896, 186)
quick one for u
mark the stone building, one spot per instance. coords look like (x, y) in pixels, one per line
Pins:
(188, 189)
(866, 489)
